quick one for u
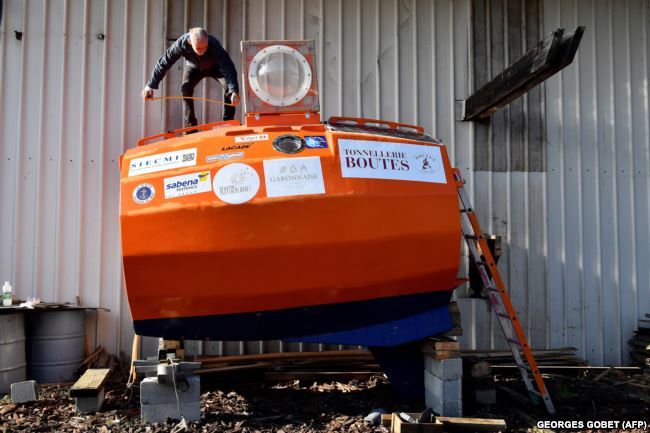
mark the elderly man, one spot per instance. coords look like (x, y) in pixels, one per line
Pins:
(205, 57)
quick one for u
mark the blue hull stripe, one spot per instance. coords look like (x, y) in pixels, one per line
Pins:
(377, 322)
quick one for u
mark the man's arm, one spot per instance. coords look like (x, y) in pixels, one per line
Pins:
(165, 62)
(227, 69)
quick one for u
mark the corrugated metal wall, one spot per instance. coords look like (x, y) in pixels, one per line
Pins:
(576, 235)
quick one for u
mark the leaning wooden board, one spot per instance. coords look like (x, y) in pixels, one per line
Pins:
(90, 383)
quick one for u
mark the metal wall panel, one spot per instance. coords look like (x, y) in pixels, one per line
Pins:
(576, 238)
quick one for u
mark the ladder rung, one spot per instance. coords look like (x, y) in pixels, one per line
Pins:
(489, 273)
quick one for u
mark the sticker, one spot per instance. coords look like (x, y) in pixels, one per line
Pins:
(236, 183)
(187, 184)
(293, 176)
(162, 161)
(223, 156)
(389, 160)
(316, 142)
(236, 147)
(143, 193)
(249, 138)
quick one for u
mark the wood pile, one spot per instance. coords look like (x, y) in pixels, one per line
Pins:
(639, 345)
(98, 358)
(311, 366)
(562, 357)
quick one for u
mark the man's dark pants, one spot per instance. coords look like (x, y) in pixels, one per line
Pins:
(191, 77)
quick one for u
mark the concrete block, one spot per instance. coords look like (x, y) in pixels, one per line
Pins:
(445, 369)
(486, 396)
(444, 390)
(90, 404)
(152, 392)
(23, 392)
(158, 413)
(443, 408)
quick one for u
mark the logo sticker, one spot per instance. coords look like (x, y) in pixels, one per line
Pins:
(223, 156)
(316, 142)
(162, 161)
(293, 176)
(143, 193)
(249, 138)
(187, 184)
(388, 160)
(236, 183)
(236, 147)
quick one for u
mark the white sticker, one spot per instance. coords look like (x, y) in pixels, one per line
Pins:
(143, 193)
(249, 138)
(224, 156)
(236, 183)
(389, 160)
(162, 161)
(293, 176)
(187, 184)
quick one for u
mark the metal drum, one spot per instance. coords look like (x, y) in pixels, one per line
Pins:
(12, 350)
(56, 345)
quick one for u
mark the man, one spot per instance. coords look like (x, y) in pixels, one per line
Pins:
(204, 57)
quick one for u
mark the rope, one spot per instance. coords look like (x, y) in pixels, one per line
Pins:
(182, 425)
(189, 97)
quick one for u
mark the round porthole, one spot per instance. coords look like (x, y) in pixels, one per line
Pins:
(280, 75)
(289, 144)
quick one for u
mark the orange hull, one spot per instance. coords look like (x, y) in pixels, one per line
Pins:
(287, 246)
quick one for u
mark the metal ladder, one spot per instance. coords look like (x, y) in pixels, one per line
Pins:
(499, 299)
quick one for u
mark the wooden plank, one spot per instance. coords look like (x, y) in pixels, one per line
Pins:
(440, 343)
(472, 424)
(507, 353)
(441, 354)
(232, 368)
(567, 367)
(552, 54)
(283, 356)
(90, 383)
(401, 426)
(319, 376)
(535, 62)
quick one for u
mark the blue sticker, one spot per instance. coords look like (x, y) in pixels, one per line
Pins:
(143, 193)
(316, 142)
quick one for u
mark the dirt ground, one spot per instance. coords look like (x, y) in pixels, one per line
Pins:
(245, 405)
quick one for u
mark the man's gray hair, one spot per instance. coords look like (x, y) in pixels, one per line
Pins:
(198, 33)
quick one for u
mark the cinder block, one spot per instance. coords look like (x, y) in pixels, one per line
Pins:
(444, 390)
(23, 392)
(444, 408)
(90, 404)
(152, 392)
(158, 413)
(445, 369)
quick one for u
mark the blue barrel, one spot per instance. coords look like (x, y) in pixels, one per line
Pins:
(12, 350)
(56, 345)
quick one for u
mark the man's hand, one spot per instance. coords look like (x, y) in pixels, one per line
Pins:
(147, 92)
(234, 99)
